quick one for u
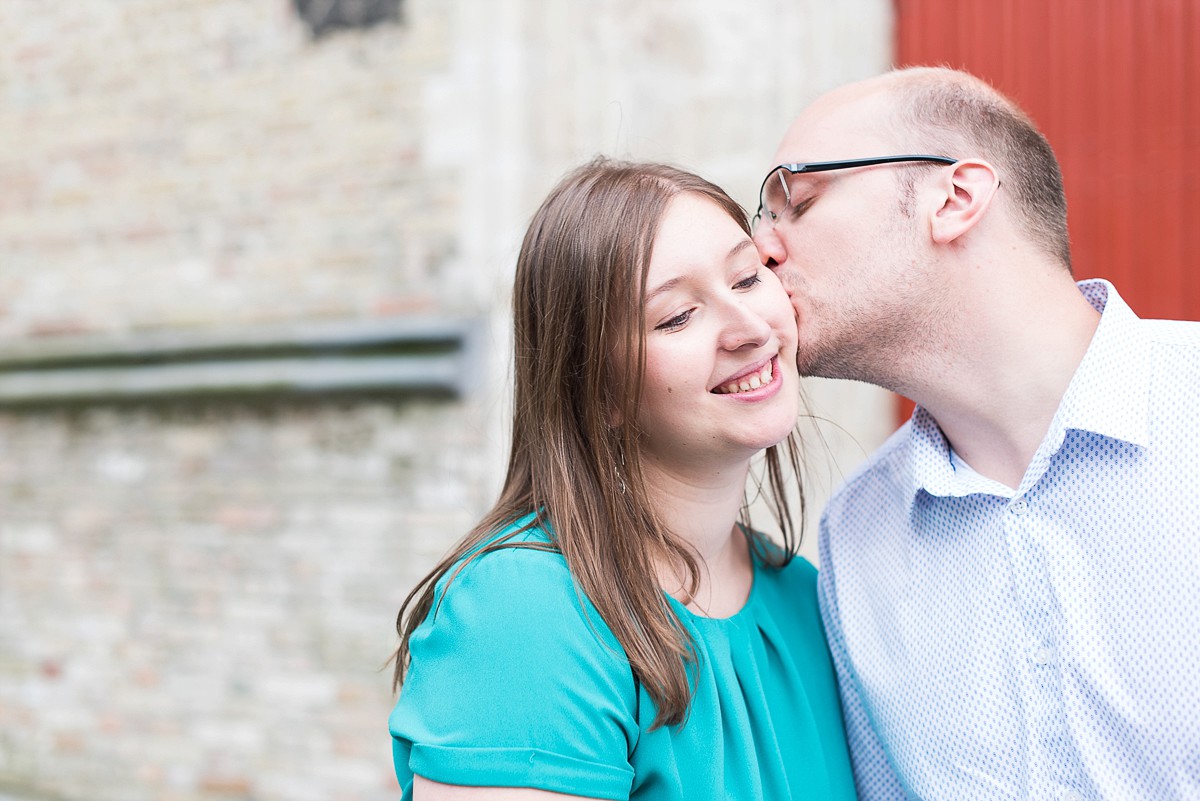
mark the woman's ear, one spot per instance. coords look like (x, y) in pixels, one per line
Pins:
(965, 194)
(614, 415)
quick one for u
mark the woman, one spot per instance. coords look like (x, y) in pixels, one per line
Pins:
(613, 628)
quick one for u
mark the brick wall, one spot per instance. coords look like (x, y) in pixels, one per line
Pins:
(196, 601)
(176, 164)
(196, 598)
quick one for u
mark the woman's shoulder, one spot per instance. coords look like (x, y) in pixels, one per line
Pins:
(516, 586)
(509, 665)
(773, 562)
(791, 588)
(520, 555)
(800, 572)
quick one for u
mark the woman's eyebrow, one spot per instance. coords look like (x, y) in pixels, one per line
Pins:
(737, 249)
(666, 286)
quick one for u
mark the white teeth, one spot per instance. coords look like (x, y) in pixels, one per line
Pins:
(754, 381)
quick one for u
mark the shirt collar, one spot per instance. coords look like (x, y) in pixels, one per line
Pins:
(1108, 395)
(1110, 392)
(931, 464)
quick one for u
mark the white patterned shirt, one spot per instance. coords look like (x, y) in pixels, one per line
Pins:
(1042, 643)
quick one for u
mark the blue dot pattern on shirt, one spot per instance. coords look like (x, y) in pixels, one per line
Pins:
(1041, 643)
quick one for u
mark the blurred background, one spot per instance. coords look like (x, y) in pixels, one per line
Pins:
(254, 270)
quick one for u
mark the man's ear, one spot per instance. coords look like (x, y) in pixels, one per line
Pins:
(966, 193)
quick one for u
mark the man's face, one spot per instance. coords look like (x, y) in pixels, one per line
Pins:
(848, 248)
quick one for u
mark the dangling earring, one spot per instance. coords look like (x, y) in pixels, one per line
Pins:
(619, 472)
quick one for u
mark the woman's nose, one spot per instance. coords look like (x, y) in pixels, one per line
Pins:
(743, 327)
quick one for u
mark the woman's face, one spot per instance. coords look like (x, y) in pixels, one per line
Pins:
(721, 380)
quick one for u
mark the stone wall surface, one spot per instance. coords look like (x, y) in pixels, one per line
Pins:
(197, 597)
(196, 602)
(179, 164)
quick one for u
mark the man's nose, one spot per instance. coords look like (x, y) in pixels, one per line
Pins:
(770, 247)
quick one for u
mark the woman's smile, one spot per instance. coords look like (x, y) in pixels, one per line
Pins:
(764, 376)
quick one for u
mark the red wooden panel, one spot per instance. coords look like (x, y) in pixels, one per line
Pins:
(1115, 86)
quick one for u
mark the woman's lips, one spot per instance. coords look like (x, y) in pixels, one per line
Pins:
(750, 380)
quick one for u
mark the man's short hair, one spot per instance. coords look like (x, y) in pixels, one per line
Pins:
(951, 112)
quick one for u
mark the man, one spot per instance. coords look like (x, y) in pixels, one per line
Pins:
(1011, 584)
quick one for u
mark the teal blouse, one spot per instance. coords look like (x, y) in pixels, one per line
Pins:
(516, 681)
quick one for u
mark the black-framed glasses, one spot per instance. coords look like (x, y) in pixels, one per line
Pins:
(775, 194)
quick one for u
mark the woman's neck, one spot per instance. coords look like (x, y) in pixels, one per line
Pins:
(703, 512)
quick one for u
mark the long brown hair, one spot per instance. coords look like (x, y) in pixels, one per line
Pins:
(579, 354)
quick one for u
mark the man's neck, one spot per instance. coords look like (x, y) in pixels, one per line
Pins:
(996, 402)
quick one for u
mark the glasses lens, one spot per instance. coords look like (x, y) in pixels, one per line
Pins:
(775, 195)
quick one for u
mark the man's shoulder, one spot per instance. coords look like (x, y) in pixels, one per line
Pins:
(1183, 334)
(1174, 365)
(880, 482)
(863, 523)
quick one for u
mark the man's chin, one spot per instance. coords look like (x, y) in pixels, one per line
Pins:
(809, 365)
(821, 363)
(812, 353)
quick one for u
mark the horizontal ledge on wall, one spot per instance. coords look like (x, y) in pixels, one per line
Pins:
(393, 357)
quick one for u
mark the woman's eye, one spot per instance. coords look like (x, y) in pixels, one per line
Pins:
(746, 283)
(678, 321)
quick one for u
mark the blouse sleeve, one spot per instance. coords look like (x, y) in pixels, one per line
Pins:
(516, 682)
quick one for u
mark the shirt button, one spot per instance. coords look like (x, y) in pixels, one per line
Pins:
(1067, 794)
(1044, 656)
(1019, 507)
